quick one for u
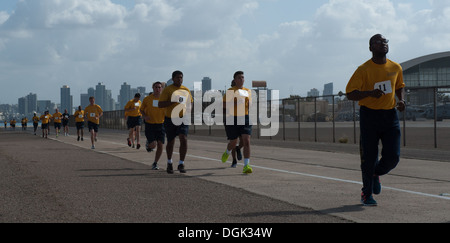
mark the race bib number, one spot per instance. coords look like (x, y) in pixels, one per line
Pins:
(243, 93)
(80, 116)
(136, 104)
(155, 103)
(92, 114)
(384, 86)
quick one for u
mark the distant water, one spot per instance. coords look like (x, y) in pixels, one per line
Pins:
(18, 124)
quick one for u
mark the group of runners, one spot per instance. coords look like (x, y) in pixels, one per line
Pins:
(376, 84)
(59, 120)
(163, 111)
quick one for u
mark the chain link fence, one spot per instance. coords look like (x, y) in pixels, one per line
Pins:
(334, 119)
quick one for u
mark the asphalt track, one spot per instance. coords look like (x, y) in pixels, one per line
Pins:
(62, 180)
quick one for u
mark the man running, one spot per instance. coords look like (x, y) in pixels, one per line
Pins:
(375, 85)
(154, 122)
(177, 100)
(57, 119)
(45, 120)
(237, 102)
(79, 122)
(134, 120)
(65, 122)
(35, 122)
(93, 113)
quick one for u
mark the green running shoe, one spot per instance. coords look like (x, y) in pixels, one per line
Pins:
(247, 169)
(225, 157)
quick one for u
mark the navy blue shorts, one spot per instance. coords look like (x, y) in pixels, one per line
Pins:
(80, 125)
(92, 125)
(234, 131)
(155, 132)
(134, 121)
(173, 131)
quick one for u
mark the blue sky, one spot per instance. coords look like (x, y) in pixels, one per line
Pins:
(294, 45)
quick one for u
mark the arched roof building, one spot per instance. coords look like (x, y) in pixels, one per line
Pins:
(430, 71)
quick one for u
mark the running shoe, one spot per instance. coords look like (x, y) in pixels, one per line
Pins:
(93, 147)
(368, 200)
(181, 168)
(78, 139)
(234, 164)
(169, 168)
(155, 166)
(247, 169)
(138, 146)
(225, 157)
(376, 185)
(129, 142)
(238, 153)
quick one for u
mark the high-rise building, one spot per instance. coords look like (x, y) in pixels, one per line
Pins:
(328, 90)
(91, 93)
(66, 99)
(100, 95)
(32, 103)
(313, 93)
(27, 104)
(125, 94)
(84, 100)
(23, 105)
(206, 84)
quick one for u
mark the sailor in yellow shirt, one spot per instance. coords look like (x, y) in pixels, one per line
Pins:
(93, 113)
(45, 120)
(177, 100)
(79, 122)
(13, 124)
(35, 122)
(154, 122)
(57, 119)
(134, 120)
(237, 102)
(24, 123)
(375, 85)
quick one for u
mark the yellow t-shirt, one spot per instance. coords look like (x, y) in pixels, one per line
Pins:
(150, 108)
(386, 77)
(93, 112)
(35, 119)
(130, 105)
(45, 118)
(240, 99)
(79, 116)
(57, 117)
(180, 95)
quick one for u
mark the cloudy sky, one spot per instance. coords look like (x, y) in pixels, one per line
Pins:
(295, 45)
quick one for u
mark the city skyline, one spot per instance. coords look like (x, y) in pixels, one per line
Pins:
(206, 83)
(293, 45)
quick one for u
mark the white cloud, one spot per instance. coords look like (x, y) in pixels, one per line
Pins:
(49, 43)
